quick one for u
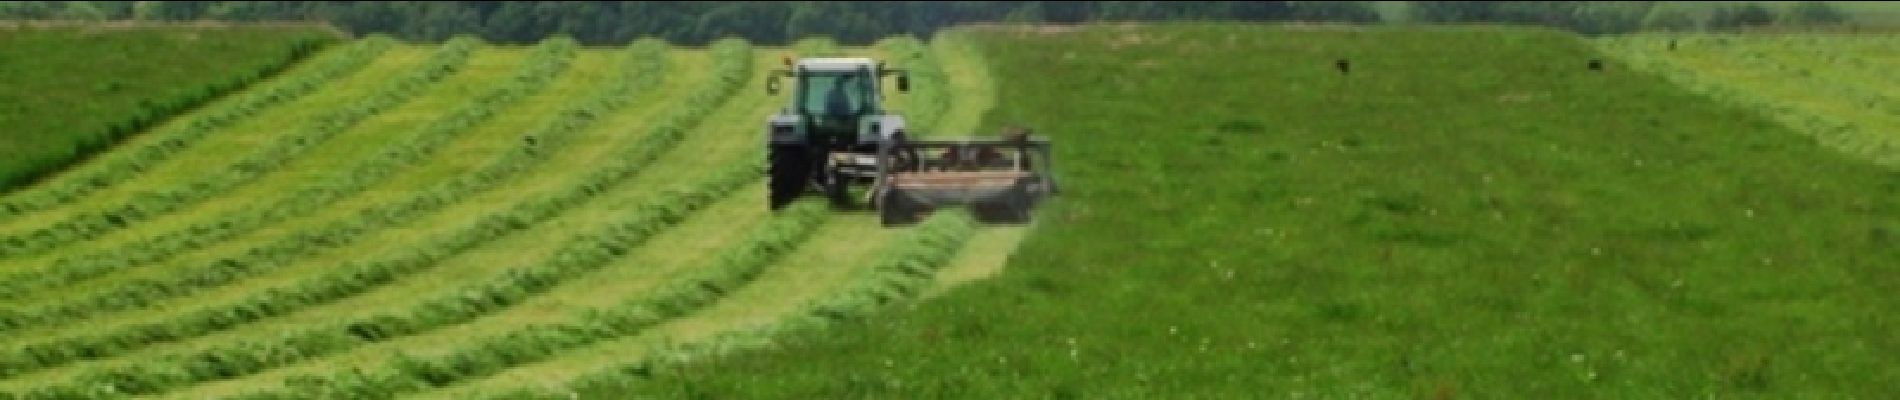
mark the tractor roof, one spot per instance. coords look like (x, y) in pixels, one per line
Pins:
(836, 64)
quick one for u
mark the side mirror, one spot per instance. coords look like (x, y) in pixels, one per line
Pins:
(903, 83)
(771, 85)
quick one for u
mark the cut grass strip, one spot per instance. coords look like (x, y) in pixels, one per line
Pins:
(404, 373)
(126, 337)
(131, 292)
(73, 92)
(397, 61)
(51, 230)
(281, 253)
(970, 95)
(721, 145)
(584, 252)
(886, 285)
(311, 183)
(471, 220)
(180, 134)
(1850, 129)
(971, 91)
(735, 56)
(789, 297)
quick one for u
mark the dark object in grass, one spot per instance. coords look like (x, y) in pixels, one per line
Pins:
(1343, 66)
(1596, 64)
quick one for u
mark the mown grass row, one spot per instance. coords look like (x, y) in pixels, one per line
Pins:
(119, 91)
(732, 61)
(119, 166)
(545, 63)
(1832, 74)
(458, 361)
(1830, 130)
(901, 270)
(76, 268)
(266, 257)
(84, 225)
(583, 253)
(405, 373)
(928, 97)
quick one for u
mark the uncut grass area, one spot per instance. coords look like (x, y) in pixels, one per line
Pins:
(73, 91)
(1467, 213)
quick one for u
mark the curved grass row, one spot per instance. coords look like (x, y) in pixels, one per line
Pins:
(234, 360)
(905, 269)
(131, 367)
(731, 63)
(85, 225)
(686, 165)
(251, 302)
(405, 374)
(286, 250)
(901, 270)
(120, 165)
(76, 91)
(542, 67)
(924, 106)
(544, 64)
(76, 270)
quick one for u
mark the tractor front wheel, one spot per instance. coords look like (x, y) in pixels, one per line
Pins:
(791, 172)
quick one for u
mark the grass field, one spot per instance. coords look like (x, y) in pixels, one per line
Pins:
(434, 214)
(1469, 213)
(72, 91)
(1840, 89)
(1464, 212)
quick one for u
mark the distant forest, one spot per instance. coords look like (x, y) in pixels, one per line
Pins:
(859, 22)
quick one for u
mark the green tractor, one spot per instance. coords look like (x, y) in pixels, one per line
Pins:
(835, 135)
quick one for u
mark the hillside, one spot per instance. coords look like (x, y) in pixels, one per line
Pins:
(1375, 212)
(1470, 212)
(391, 217)
(73, 90)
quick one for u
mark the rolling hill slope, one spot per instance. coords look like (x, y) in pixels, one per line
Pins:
(1465, 212)
(1342, 212)
(435, 214)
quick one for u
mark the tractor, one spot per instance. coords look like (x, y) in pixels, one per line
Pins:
(835, 135)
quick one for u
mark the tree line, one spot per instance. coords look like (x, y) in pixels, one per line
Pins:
(781, 22)
(1611, 17)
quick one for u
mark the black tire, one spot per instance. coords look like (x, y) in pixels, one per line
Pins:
(895, 210)
(791, 168)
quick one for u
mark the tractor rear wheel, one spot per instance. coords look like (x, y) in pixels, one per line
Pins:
(791, 170)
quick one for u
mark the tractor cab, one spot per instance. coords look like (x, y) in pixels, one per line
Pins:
(836, 102)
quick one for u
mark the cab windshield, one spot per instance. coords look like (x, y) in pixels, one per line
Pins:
(836, 94)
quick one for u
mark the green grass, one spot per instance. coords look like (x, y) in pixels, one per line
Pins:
(1470, 212)
(72, 91)
(326, 158)
(1836, 88)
